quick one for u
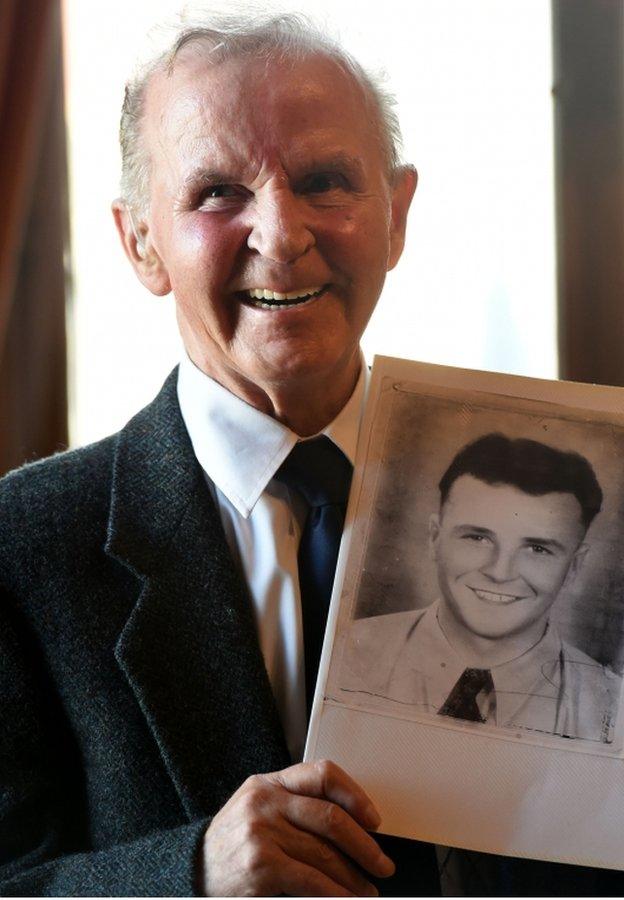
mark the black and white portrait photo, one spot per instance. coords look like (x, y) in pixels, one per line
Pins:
(475, 646)
(491, 584)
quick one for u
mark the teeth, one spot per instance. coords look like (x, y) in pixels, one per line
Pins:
(264, 294)
(492, 597)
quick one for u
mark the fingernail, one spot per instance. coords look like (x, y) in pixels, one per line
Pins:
(386, 866)
(372, 817)
(371, 891)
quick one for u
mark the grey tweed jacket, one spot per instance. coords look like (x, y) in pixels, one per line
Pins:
(133, 696)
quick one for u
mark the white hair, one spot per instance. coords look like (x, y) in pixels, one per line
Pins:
(269, 36)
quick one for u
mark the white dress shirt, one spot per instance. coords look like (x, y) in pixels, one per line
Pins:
(551, 688)
(240, 449)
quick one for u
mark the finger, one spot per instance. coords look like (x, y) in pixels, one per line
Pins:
(325, 780)
(298, 879)
(325, 857)
(331, 823)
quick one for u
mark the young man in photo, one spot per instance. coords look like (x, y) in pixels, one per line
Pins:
(510, 534)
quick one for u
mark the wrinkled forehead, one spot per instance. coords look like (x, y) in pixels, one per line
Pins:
(196, 94)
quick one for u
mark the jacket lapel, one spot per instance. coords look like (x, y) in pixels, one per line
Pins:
(189, 647)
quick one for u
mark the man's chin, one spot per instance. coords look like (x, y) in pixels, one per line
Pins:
(322, 363)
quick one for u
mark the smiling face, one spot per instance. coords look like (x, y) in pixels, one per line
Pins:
(503, 556)
(271, 219)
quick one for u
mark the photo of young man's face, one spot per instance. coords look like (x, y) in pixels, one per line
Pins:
(503, 555)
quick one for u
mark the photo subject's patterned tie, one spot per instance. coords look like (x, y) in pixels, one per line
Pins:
(461, 703)
(321, 473)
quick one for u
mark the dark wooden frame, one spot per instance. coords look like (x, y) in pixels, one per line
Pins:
(588, 63)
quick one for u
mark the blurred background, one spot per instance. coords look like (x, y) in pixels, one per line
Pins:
(511, 110)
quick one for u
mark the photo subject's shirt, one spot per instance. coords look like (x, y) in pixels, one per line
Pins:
(239, 449)
(552, 688)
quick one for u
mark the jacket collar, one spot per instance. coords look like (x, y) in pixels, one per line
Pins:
(189, 648)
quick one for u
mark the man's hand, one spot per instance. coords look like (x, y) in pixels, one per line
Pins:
(300, 832)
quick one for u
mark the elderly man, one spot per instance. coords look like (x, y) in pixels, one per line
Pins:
(151, 646)
(159, 588)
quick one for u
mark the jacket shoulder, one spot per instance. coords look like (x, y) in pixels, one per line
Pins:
(73, 475)
(75, 484)
(49, 506)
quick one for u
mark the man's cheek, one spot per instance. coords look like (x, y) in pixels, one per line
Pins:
(465, 558)
(204, 237)
(545, 578)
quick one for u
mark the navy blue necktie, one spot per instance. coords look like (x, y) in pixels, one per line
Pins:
(321, 473)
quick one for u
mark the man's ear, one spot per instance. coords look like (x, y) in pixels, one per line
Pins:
(577, 562)
(403, 188)
(135, 239)
(434, 534)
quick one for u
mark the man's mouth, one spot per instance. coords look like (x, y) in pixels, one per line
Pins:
(498, 598)
(262, 298)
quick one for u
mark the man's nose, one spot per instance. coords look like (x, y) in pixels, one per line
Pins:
(501, 565)
(279, 229)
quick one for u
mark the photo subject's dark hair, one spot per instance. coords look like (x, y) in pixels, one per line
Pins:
(531, 466)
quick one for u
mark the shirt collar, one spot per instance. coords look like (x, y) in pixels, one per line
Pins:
(241, 448)
(521, 674)
(516, 676)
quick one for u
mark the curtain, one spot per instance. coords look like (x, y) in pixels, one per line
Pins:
(33, 233)
(588, 62)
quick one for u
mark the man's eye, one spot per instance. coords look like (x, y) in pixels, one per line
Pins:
(475, 538)
(540, 550)
(223, 192)
(323, 182)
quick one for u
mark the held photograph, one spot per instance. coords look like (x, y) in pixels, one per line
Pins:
(477, 620)
(491, 589)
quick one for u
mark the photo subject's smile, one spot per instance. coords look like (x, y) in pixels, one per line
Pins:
(499, 598)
